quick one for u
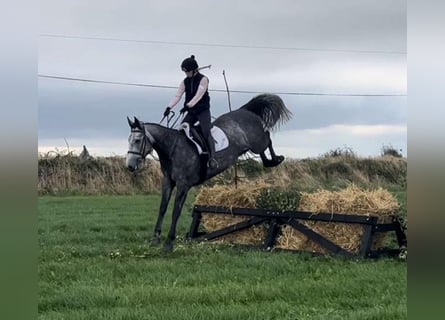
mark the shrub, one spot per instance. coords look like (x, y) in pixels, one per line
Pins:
(251, 168)
(389, 150)
(390, 171)
(340, 152)
(68, 174)
(279, 199)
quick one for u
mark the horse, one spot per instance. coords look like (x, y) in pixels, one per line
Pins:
(247, 129)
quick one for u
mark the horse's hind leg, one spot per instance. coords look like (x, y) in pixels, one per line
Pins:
(271, 163)
(276, 160)
(167, 187)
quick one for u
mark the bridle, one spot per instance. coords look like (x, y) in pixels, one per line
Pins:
(146, 140)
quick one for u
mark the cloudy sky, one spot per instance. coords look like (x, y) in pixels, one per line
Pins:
(339, 66)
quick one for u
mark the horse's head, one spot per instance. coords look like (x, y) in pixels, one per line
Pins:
(139, 144)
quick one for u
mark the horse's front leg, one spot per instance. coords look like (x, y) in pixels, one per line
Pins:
(167, 188)
(181, 195)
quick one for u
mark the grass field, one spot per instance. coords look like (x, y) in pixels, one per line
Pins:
(94, 263)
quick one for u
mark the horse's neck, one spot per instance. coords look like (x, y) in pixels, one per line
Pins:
(162, 136)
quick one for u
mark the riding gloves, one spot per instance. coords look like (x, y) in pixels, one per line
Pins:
(167, 111)
(183, 110)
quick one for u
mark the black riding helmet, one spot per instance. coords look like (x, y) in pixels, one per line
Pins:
(189, 64)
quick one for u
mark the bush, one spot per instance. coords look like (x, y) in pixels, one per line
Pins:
(340, 152)
(279, 199)
(337, 169)
(390, 171)
(389, 150)
(251, 168)
(68, 174)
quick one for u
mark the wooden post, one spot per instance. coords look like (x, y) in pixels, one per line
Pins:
(230, 110)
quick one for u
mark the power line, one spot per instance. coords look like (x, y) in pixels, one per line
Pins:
(220, 90)
(221, 45)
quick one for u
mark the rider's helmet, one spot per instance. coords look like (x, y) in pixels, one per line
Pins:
(189, 64)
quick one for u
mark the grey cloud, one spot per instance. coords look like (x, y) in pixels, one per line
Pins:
(77, 110)
(368, 24)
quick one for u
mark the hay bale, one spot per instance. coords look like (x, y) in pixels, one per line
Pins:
(351, 200)
(224, 195)
(245, 196)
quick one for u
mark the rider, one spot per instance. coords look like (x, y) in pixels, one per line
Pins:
(197, 102)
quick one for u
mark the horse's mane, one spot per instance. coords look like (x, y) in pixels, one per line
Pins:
(270, 108)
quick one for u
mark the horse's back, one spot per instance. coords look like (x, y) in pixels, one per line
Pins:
(243, 128)
(239, 121)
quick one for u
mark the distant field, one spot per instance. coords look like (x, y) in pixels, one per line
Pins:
(94, 263)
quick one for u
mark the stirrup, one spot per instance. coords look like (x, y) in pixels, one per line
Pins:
(212, 163)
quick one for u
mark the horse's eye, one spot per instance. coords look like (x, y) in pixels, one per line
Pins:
(137, 141)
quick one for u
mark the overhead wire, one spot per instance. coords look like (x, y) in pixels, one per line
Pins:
(222, 45)
(219, 90)
(216, 45)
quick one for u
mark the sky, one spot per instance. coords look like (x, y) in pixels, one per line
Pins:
(339, 66)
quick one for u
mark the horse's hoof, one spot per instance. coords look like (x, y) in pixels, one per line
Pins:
(279, 160)
(155, 241)
(168, 247)
(274, 162)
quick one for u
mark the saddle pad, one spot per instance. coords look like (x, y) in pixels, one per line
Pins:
(221, 140)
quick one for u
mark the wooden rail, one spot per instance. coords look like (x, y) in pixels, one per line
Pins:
(276, 219)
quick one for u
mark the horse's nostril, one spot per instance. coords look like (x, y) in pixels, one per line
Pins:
(131, 168)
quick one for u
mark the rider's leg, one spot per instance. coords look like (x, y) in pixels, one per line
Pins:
(205, 123)
(190, 119)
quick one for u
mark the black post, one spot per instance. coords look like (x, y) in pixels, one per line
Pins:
(193, 233)
(274, 228)
(366, 244)
(400, 234)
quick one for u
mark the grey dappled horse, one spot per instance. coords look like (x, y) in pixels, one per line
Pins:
(247, 129)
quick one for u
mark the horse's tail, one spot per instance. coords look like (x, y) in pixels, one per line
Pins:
(270, 108)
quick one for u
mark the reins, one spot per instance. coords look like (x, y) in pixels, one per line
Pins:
(171, 126)
(149, 137)
(168, 117)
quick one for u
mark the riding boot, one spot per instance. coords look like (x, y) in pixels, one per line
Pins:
(212, 163)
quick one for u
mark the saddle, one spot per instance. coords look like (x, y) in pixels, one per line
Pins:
(194, 134)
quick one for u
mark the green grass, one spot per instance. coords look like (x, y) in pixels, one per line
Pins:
(94, 263)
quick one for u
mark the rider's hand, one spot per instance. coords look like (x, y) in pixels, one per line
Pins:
(167, 111)
(183, 110)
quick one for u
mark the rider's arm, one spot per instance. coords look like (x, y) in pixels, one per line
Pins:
(203, 85)
(178, 95)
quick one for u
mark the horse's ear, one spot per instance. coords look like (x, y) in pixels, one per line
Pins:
(137, 123)
(131, 124)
